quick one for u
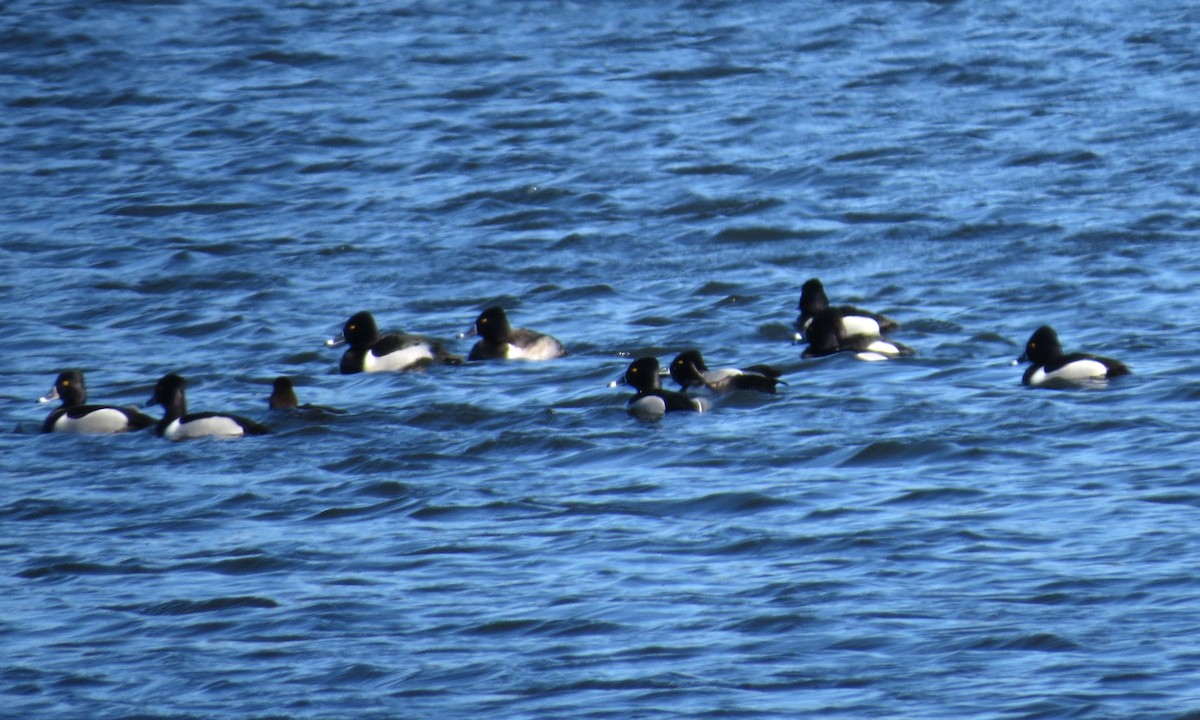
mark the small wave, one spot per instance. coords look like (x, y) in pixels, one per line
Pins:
(1034, 642)
(71, 568)
(505, 199)
(84, 101)
(873, 155)
(478, 92)
(932, 326)
(653, 321)
(152, 211)
(467, 58)
(708, 72)
(338, 513)
(357, 673)
(707, 208)
(17, 38)
(936, 495)
(1136, 677)
(993, 231)
(525, 220)
(887, 452)
(35, 508)
(772, 624)
(193, 607)
(250, 565)
(763, 233)
(531, 123)
(714, 169)
(584, 292)
(885, 218)
(386, 489)
(294, 59)
(871, 643)
(717, 287)
(730, 503)
(494, 510)
(1054, 598)
(1072, 157)
(726, 503)
(1188, 499)
(332, 166)
(551, 628)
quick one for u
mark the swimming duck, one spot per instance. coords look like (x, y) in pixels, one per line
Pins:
(651, 401)
(178, 424)
(370, 351)
(689, 370)
(74, 415)
(857, 321)
(1051, 367)
(500, 341)
(827, 335)
(283, 397)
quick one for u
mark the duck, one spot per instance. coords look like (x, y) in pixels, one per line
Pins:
(370, 351)
(1050, 366)
(178, 424)
(75, 416)
(283, 394)
(827, 335)
(283, 397)
(857, 321)
(652, 402)
(689, 370)
(500, 341)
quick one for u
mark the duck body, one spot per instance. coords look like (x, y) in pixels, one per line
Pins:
(690, 371)
(827, 335)
(856, 321)
(1051, 367)
(178, 424)
(651, 402)
(370, 351)
(75, 416)
(498, 340)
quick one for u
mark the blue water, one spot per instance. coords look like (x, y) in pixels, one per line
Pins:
(212, 188)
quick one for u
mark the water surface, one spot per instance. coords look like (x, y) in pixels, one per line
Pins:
(213, 188)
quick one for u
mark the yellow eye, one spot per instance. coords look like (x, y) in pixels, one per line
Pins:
(66, 383)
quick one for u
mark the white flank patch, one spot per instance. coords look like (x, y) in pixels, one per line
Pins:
(399, 360)
(860, 325)
(883, 347)
(648, 408)
(97, 422)
(204, 427)
(1073, 372)
(713, 377)
(544, 348)
(1081, 370)
(871, 356)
